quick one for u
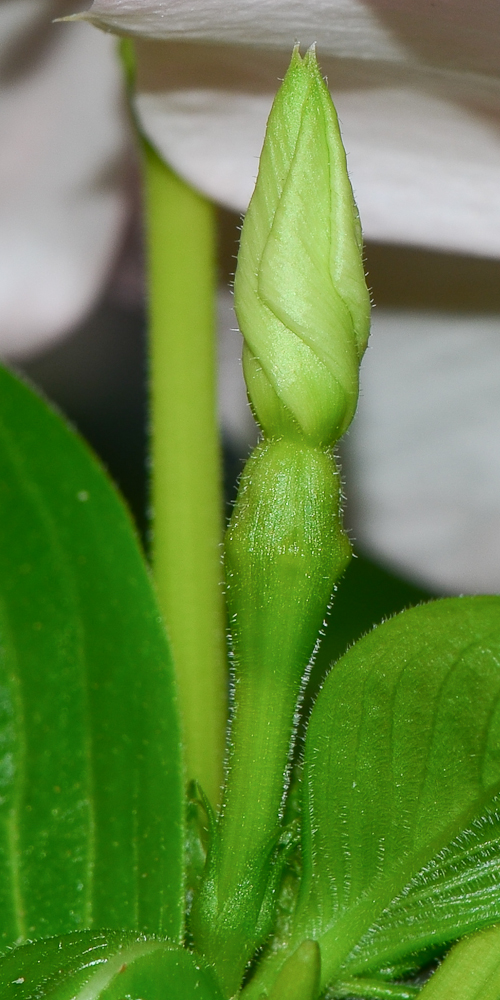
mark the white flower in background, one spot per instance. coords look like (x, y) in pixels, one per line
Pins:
(63, 203)
(423, 455)
(418, 92)
(416, 85)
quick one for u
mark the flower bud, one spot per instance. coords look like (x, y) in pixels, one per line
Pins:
(303, 308)
(300, 293)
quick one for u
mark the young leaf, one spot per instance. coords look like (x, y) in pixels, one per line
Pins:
(471, 971)
(300, 975)
(96, 965)
(90, 772)
(401, 820)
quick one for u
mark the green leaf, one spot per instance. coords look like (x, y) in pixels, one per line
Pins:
(402, 764)
(401, 812)
(90, 772)
(366, 595)
(88, 965)
(455, 893)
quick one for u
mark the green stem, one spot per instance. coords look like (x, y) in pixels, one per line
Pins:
(371, 989)
(284, 551)
(186, 487)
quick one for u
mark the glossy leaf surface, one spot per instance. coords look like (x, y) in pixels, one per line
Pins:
(93, 965)
(401, 840)
(90, 773)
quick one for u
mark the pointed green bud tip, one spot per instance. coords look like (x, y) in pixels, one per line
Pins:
(299, 978)
(300, 291)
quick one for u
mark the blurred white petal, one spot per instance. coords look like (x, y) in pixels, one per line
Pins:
(345, 27)
(424, 171)
(62, 199)
(423, 455)
(417, 90)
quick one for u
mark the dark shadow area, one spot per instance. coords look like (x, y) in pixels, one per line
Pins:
(403, 276)
(410, 278)
(367, 595)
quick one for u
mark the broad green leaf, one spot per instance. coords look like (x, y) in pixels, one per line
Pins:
(90, 775)
(401, 782)
(96, 965)
(402, 763)
(455, 893)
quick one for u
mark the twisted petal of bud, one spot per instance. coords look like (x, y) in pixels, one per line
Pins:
(300, 293)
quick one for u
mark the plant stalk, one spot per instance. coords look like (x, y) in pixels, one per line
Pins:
(186, 475)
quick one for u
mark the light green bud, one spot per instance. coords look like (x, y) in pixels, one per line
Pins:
(300, 292)
(299, 978)
(303, 308)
